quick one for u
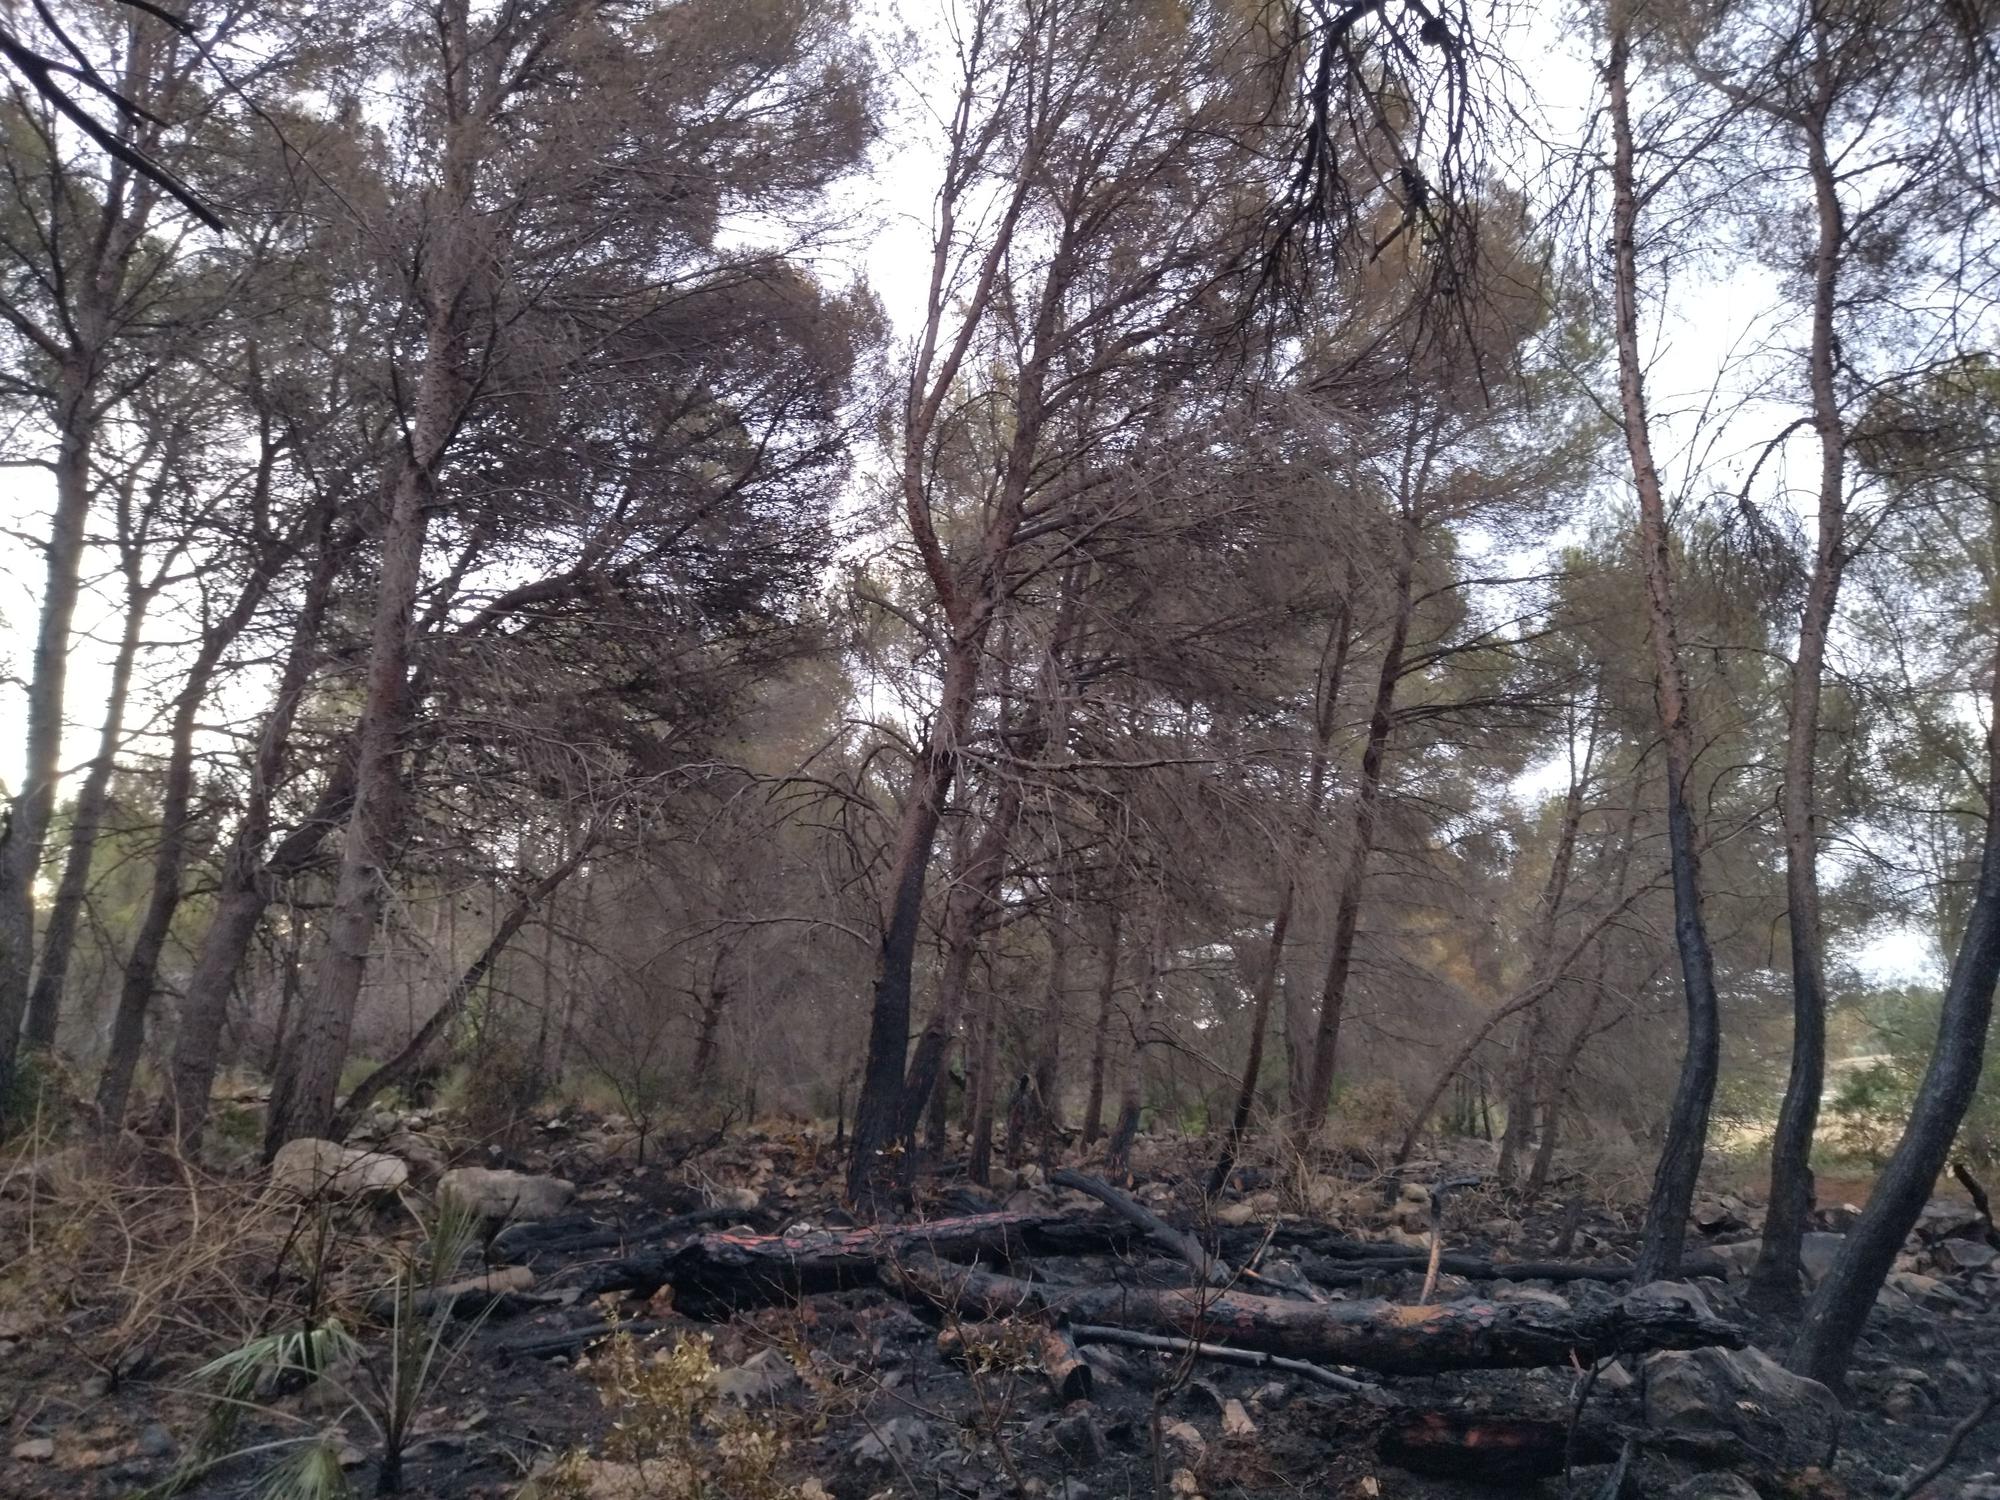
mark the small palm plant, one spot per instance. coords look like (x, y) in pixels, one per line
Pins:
(384, 1389)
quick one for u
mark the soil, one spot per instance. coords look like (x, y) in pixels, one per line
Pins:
(867, 1405)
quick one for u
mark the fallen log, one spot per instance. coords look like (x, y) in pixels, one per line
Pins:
(580, 1234)
(1471, 1333)
(718, 1272)
(1069, 1378)
(1338, 1248)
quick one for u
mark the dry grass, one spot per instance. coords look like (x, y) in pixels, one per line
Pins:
(136, 1260)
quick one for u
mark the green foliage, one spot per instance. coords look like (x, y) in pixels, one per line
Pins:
(1872, 1101)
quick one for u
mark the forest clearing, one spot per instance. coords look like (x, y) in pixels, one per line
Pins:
(999, 748)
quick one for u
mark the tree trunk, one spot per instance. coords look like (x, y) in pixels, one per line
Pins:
(1777, 1276)
(135, 993)
(1521, 1089)
(1687, 1125)
(879, 1114)
(26, 822)
(302, 1093)
(1132, 1081)
(142, 964)
(1840, 1307)
(405, 1062)
(1309, 1113)
(59, 939)
(1555, 1085)
(1325, 713)
(1107, 989)
(1522, 1092)
(979, 1103)
(247, 877)
(1043, 1123)
(974, 896)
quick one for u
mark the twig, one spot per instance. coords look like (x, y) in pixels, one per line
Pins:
(1254, 1359)
(1952, 1444)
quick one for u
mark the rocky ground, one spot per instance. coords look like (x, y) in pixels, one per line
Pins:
(856, 1392)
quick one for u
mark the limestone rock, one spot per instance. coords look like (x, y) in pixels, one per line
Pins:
(1969, 1255)
(309, 1168)
(492, 1193)
(1785, 1418)
(426, 1158)
(1236, 1421)
(1925, 1291)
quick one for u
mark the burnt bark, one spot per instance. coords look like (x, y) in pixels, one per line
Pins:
(1375, 1335)
(1687, 1121)
(1834, 1318)
(1777, 1276)
(714, 1273)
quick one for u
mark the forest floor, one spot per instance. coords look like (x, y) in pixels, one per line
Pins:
(118, 1281)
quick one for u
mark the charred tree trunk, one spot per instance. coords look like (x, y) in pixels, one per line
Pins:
(1687, 1124)
(979, 1100)
(1777, 1276)
(1523, 1078)
(1374, 1334)
(880, 1115)
(1840, 1307)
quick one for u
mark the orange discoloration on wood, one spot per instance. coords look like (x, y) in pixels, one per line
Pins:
(1411, 1317)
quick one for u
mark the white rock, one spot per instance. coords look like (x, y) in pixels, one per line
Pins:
(35, 1450)
(312, 1168)
(1236, 1421)
(492, 1193)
